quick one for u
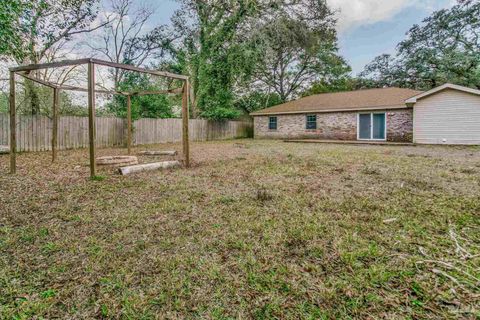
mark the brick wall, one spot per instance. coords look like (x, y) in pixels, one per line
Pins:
(400, 125)
(334, 126)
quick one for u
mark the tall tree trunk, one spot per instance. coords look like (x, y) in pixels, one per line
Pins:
(32, 97)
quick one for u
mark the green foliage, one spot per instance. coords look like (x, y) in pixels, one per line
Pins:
(257, 100)
(148, 106)
(336, 85)
(67, 106)
(3, 102)
(296, 53)
(31, 28)
(444, 48)
(243, 46)
(215, 57)
(9, 13)
(31, 31)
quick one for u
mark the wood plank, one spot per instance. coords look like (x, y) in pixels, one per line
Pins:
(129, 124)
(13, 128)
(59, 64)
(185, 118)
(138, 69)
(91, 118)
(56, 99)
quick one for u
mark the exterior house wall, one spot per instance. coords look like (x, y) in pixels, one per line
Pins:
(332, 126)
(400, 125)
(447, 117)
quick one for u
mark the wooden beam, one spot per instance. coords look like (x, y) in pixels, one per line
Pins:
(185, 120)
(40, 81)
(139, 69)
(80, 89)
(13, 126)
(91, 118)
(59, 64)
(129, 124)
(56, 99)
(146, 93)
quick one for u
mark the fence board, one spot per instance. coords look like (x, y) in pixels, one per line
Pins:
(34, 133)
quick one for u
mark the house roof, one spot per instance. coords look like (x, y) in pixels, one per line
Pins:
(441, 88)
(369, 99)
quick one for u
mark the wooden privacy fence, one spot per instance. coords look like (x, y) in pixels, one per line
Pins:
(34, 133)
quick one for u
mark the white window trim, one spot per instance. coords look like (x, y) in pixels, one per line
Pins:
(371, 126)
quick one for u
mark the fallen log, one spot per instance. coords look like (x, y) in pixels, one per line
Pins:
(149, 167)
(117, 161)
(4, 149)
(158, 153)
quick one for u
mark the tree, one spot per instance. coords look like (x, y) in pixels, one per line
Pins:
(39, 28)
(125, 39)
(295, 54)
(223, 49)
(212, 53)
(10, 11)
(257, 100)
(148, 106)
(337, 85)
(444, 48)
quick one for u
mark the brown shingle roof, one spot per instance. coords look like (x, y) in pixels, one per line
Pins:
(370, 99)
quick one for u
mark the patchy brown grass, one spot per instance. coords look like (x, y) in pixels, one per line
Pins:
(255, 229)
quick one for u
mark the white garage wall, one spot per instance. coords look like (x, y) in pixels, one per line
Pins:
(447, 117)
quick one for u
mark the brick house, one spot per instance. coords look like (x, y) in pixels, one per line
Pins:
(385, 114)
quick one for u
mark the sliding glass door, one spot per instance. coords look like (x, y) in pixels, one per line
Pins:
(371, 126)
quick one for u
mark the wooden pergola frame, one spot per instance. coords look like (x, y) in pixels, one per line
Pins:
(24, 71)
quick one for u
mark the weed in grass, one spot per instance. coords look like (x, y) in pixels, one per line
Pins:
(98, 178)
(263, 194)
(49, 248)
(369, 170)
(50, 293)
(468, 171)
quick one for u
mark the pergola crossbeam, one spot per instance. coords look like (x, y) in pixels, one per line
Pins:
(80, 89)
(138, 69)
(39, 81)
(146, 93)
(59, 64)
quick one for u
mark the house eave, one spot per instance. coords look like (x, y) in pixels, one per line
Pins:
(446, 86)
(259, 113)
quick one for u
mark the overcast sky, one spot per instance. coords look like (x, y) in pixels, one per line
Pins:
(367, 28)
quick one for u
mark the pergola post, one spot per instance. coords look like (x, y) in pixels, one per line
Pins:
(13, 126)
(129, 124)
(56, 98)
(185, 118)
(91, 118)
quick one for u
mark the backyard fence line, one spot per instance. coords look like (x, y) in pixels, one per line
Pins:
(34, 133)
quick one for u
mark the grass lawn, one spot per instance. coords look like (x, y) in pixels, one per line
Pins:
(255, 229)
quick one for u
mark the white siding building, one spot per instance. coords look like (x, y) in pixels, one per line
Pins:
(449, 114)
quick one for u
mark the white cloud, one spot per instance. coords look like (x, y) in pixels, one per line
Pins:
(354, 13)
